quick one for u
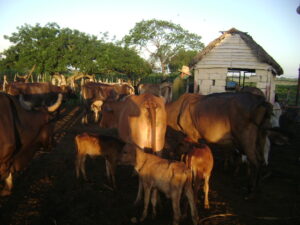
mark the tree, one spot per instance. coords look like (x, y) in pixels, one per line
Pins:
(161, 41)
(53, 49)
(183, 57)
(112, 59)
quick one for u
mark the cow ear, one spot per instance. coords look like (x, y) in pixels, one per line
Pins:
(108, 109)
(25, 104)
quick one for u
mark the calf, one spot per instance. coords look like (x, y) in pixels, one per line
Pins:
(98, 145)
(199, 159)
(156, 173)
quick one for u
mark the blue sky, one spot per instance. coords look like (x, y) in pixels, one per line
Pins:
(273, 24)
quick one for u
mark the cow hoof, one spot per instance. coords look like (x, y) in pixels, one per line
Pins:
(133, 220)
(249, 197)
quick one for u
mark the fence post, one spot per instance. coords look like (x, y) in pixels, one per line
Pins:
(297, 94)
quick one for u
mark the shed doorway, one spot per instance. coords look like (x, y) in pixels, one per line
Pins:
(239, 78)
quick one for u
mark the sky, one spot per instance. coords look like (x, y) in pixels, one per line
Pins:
(273, 24)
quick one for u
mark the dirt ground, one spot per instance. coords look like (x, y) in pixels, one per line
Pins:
(48, 193)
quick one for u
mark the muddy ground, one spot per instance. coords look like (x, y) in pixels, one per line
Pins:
(48, 193)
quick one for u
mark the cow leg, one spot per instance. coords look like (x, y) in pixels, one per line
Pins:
(110, 172)
(77, 165)
(96, 115)
(252, 145)
(8, 185)
(80, 166)
(196, 185)
(84, 119)
(147, 192)
(206, 190)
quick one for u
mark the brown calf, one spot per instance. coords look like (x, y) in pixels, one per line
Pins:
(200, 160)
(98, 145)
(155, 173)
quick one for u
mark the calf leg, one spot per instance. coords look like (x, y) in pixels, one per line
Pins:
(176, 195)
(190, 196)
(139, 194)
(206, 190)
(154, 196)
(147, 192)
(8, 185)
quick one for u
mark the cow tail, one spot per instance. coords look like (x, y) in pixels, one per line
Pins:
(16, 121)
(262, 120)
(151, 107)
(189, 180)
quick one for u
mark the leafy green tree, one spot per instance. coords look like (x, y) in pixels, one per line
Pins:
(112, 59)
(53, 49)
(161, 40)
(34, 46)
(183, 57)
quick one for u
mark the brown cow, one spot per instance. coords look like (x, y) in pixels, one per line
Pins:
(163, 89)
(98, 145)
(94, 94)
(21, 132)
(171, 177)
(198, 158)
(140, 119)
(226, 119)
(39, 94)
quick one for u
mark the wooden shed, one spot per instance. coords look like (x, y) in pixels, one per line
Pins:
(234, 58)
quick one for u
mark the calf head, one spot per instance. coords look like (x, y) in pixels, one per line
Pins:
(109, 117)
(128, 155)
(46, 136)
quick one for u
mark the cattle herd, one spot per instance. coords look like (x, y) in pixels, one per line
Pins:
(167, 143)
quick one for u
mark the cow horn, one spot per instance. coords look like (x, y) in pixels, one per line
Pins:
(55, 78)
(25, 104)
(22, 77)
(56, 105)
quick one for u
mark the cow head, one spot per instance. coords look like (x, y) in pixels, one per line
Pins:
(28, 105)
(45, 118)
(96, 108)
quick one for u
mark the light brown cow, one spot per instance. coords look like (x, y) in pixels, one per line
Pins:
(198, 158)
(170, 177)
(140, 119)
(98, 145)
(226, 119)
